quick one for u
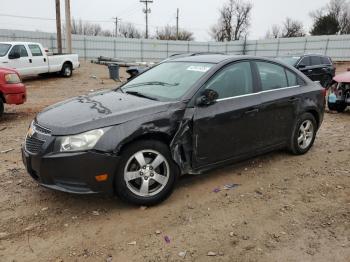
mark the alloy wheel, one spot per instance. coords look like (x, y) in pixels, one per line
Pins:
(146, 173)
(306, 134)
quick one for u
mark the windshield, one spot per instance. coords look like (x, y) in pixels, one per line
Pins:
(167, 81)
(289, 60)
(4, 48)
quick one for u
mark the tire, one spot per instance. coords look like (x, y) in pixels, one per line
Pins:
(302, 141)
(340, 108)
(1, 107)
(67, 70)
(143, 189)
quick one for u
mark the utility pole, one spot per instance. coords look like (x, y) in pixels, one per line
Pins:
(146, 11)
(68, 28)
(177, 24)
(116, 26)
(58, 26)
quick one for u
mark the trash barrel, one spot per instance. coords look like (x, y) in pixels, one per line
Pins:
(113, 71)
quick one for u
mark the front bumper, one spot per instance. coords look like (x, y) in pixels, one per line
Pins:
(15, 99)
(72, 172)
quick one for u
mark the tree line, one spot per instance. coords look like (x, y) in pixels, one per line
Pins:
(129, 30)
(234, 23)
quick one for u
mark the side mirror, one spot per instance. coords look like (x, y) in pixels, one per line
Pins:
(301, 66)
(14, 55)
(208, 97)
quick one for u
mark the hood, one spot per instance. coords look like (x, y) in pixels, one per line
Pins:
(97, 110)
(7, 70)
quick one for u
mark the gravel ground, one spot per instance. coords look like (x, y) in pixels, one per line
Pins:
(286, 208)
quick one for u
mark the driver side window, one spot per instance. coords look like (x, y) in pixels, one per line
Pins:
(19, 49)
(233, 80)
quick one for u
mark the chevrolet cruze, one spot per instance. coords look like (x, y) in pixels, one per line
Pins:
(183, 116)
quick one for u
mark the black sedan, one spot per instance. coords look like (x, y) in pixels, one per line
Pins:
(184, 116)
(316, 67)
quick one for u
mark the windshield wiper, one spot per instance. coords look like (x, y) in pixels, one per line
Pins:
(151, 83)
(135, 93)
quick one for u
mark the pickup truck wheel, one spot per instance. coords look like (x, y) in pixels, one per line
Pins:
(67, 70)
(304, 134)
(1, 107)
(146, 174)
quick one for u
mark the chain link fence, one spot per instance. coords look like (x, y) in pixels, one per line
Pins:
(89, 47)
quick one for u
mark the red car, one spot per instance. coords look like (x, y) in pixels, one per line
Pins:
(12, 90)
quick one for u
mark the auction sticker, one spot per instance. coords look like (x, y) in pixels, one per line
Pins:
(202, 69)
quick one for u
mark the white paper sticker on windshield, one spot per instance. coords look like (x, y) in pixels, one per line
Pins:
(202, 69)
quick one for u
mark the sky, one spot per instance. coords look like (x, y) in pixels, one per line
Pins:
(196, 16)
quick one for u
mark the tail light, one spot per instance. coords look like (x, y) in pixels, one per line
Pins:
(324, 92)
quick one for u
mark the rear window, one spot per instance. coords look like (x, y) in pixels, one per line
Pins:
(272, 76)
(316, 60)
(305, 61)
(4, 48)
(326, 61)
(35, 50)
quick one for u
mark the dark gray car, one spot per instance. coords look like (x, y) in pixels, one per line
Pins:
(183, 116)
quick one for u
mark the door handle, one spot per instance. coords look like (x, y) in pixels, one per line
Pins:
(253, 111)
(44, 59)
(30, 61)
(293, 99)
(5, 62)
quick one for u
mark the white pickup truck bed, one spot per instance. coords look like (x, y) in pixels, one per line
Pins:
(31, 59)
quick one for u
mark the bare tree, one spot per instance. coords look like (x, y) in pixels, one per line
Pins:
(128, 30)
(234, 21)
(341, 10)
(275, 32)
(80, 27)
(335, 9)
(292, 28)
(169, 33)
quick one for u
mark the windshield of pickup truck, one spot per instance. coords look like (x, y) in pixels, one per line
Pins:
(167, 81)
(289, 60)
(4, 48)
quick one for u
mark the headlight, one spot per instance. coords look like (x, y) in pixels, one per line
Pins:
(81, 142)
(12, 79)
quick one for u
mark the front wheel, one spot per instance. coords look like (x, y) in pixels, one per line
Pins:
(146, 174)
(304, 134)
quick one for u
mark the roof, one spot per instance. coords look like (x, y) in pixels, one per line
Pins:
(214, 59)
(18, 43)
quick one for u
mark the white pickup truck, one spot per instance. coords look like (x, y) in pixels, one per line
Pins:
(32, 59)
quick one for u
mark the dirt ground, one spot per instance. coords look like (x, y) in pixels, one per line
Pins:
(286, 208)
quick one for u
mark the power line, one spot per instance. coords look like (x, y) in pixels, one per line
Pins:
(112, 20)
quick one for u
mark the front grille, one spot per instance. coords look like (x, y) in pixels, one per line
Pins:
(41, 129)
(34, 145)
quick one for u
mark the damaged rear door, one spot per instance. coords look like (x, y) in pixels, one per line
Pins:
(228, 128)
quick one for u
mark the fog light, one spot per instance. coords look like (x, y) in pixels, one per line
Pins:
(101, 178)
